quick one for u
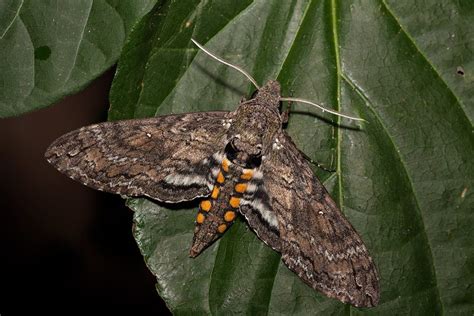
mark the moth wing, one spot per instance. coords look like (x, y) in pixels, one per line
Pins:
(167, 158)
(263, 221)
(317, 241)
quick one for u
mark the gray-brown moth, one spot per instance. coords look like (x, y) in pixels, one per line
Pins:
(233, 162)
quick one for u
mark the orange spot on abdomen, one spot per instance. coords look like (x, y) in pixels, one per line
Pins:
(225, 165)
(234, 202)
(206, 205)
(220, 178)
(215, 192)
(240, 187)
(200, 218)
(246, 174)
(221, 228)
(229, 216)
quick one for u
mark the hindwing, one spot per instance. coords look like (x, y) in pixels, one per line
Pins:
(255, 207)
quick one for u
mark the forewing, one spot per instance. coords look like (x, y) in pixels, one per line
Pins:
(317, 241)
(167, 158)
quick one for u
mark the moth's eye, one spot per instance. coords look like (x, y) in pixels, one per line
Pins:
(254, 161)
(230, 151)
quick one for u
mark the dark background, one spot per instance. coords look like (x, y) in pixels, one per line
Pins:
(65, 248)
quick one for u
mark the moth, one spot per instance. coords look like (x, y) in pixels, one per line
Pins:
(240, 162)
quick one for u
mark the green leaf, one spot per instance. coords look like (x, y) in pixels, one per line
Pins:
(404, 179)
(51, 49)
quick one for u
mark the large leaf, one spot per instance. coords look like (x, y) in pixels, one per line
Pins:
(50, 49)
(404, 179)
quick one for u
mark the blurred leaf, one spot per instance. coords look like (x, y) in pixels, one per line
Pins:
(404, 180)
(50, 49)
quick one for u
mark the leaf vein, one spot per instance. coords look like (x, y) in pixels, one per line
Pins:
(410, 181)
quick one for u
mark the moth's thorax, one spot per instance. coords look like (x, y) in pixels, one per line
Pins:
(218, 211)
(255, 123)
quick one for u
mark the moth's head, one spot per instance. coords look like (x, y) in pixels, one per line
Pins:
(269, 93)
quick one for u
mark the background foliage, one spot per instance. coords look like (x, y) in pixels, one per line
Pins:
(404, 179)
(50, 49)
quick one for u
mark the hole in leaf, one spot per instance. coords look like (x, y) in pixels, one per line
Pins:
(42, 52)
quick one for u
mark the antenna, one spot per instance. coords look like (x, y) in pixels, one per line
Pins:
(258, 87)
(322, 108)
(227, 63)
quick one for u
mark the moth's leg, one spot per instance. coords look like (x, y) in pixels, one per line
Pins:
(285, 115)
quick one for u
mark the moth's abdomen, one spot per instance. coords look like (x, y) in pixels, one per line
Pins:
(218, 211)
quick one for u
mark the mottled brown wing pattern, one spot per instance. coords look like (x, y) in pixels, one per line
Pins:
(167, 158)
(317, 241)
